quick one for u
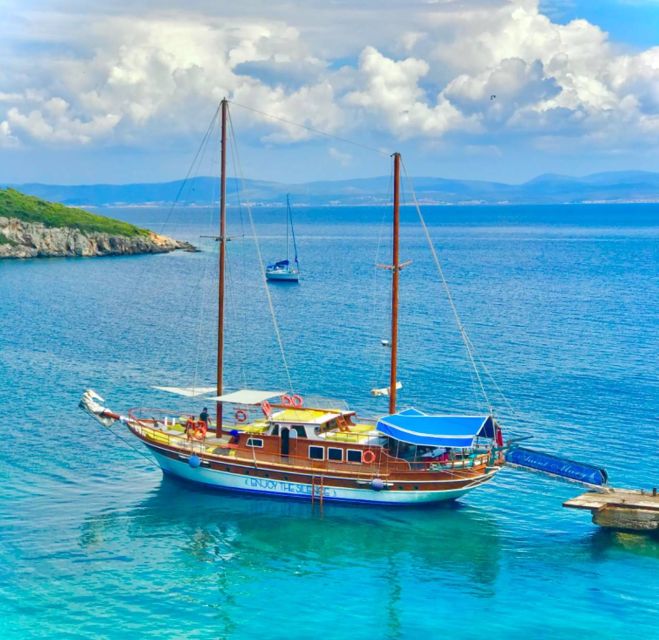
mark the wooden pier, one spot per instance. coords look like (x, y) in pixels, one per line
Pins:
(626, 509)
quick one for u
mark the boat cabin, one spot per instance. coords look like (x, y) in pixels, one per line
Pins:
(267, 428)
(289, 432)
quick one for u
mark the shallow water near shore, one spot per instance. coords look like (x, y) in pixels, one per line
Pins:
(562, 304)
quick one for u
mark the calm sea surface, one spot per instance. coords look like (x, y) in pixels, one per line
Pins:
(562, 305)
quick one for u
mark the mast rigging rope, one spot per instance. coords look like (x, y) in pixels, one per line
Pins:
(261, 263)
(381, 152)
(463, 333)
(130, 446)
(234, 303)
(147, 276)
(378, 303)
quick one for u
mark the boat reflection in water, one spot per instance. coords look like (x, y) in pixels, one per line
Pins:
(238, 534)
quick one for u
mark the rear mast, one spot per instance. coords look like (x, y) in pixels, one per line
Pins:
(395, 269)
(222, 258)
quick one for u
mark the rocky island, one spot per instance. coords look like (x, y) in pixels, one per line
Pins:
(32, 228)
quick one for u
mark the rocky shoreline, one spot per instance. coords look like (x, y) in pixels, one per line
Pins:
(20, 239)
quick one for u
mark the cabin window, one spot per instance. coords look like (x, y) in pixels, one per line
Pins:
(275, 430)
(354, 455)
(334, 453)
(300, 430)
(317, 453)
(255, 442)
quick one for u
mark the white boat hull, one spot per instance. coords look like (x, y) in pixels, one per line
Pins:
(234, 482)
(282, 276)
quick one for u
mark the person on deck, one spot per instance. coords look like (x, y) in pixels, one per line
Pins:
(446, 456)
(203, 416)
(189, 427)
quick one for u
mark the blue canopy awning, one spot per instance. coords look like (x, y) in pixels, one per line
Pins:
(414, 427)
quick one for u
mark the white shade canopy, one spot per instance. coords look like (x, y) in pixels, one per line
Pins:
(247, 396)
(188, 392)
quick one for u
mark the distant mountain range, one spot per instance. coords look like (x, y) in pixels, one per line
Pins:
(618, 186)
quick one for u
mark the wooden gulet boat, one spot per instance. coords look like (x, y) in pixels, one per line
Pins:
(270, 442)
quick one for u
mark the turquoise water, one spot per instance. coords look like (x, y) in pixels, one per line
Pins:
(562, 304)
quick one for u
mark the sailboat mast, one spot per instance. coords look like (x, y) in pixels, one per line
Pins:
(395, 269)
(288, 215)
(290, 220)
(220, 289)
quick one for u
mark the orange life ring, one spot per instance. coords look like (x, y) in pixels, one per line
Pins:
(368, 457)
(297, 401)
(241, 415)
(287, 401)
(266, 407)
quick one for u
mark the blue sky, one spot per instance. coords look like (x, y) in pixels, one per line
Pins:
(476, 89)
(634, 22)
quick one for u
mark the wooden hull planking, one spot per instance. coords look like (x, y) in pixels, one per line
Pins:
(262, 478)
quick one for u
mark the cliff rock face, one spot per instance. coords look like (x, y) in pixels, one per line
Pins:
(20, 239)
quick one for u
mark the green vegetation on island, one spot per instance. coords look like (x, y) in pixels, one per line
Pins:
(5, 240)
(14, 204)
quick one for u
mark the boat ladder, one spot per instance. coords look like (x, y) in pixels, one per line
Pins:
(317, 491)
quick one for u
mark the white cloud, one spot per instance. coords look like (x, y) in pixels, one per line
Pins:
(54, 123)
(134, 79)
(638, 76)
(146, 76)
(498, 93)
(344, 159)
(390, 90)
(7, 139)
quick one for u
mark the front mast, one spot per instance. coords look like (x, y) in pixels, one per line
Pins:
(395, 269)
(223, 240)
